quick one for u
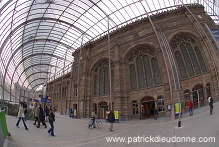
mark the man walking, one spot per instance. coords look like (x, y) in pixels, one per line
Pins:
(190, 108)
(36, 112)
(111, 119)
(211, 104)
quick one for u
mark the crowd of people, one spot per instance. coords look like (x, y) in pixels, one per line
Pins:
(40, 115)
(47, 114)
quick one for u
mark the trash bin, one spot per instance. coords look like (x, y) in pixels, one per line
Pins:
(3, 128)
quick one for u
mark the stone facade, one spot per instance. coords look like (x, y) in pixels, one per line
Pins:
(163, 44)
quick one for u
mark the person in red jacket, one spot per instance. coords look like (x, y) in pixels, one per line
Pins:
(190, 108)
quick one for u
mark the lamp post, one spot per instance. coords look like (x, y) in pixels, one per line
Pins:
(109, 55)
(171, 61)
(78, 79)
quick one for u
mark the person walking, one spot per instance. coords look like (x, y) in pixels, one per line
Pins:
(190, 108)
(25, 110)
(211, 105)
(111, 119)
(93, 117)
(21, 116)
(41, 116)
(47, 112)
(35, 114)
(155, 114)
(51, 121)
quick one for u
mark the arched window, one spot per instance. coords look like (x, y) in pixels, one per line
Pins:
(188, 55)
(144, 68)
(160, 103)
(101, 78)
(134, 107)
(187, 97)
(208, 90)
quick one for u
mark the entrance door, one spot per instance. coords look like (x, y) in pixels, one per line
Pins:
(148, 109)
(103, 107)
(198, 96)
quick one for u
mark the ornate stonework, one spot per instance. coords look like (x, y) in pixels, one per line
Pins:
(136, 85)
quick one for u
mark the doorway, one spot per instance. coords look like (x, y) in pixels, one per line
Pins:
(103, 107)
(148, 106)
(198, 96)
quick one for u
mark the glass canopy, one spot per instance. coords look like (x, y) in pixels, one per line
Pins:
(38, 37)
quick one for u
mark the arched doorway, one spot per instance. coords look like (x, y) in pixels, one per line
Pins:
(102, 108)
(75, 106)
(95, 108)
(198, 96)
(208, 90)
(148, 106)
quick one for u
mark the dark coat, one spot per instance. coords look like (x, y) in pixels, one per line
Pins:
(111, 117)
(41, 114)
(47, 111)
(211, 102)
(51, 117)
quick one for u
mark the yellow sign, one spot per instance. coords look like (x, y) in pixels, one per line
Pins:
(49, 97)
(107, 113)
(116, 113)
(75, 112)
(177, 108)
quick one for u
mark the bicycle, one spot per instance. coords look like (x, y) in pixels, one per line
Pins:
(92, 125)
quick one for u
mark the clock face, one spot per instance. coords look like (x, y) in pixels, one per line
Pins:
(199, 16)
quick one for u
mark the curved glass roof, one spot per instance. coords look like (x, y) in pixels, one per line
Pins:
(39, 36)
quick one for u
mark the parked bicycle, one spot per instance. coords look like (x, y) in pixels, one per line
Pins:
(97, 124)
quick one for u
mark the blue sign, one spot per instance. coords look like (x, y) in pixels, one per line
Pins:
(43, 99)
(215, 33)
(48, 101)
(44, 96)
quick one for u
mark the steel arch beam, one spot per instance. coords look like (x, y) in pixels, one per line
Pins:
(31, 75)
(22, 62)
(25, 71)
(34, 81)
(35, 19)
(37, 85)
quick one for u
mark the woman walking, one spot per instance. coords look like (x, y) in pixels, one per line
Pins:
(51, 121)
(21, 116)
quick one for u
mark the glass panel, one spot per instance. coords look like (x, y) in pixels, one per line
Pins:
(148, 74)
(181, 65)
(201, 60)
(187, 60)
(140, 73)
(133, 77)
(156, 70)
(193, 58)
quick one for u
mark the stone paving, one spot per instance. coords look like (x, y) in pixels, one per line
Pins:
(74, 132)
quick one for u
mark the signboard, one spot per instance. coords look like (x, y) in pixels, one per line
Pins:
(75, 112)
(44, 96)
(43, 99)
(177, 109)
(215, 33)
(107, 113)
(48, 101)
(116, 114)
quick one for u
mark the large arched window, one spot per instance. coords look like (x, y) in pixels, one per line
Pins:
(188, 55)
(144, 68)
(101, 78)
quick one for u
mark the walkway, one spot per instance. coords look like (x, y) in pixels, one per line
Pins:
(74, 132)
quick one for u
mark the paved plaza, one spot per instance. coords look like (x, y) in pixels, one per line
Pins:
(74, 132)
